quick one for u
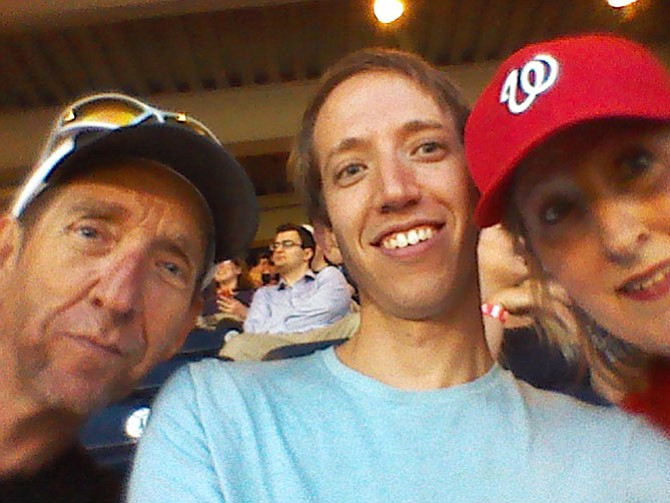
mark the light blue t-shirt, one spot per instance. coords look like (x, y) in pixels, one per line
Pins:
(313, 430)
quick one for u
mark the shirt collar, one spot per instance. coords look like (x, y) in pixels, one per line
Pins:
(308, 276)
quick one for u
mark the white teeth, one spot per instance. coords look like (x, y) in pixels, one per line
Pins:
(408, 238)
(413, 237)
(648, 283)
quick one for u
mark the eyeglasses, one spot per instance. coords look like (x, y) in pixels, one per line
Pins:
(286, 243)
(96, 114)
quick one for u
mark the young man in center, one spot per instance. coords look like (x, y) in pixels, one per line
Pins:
(412, 407)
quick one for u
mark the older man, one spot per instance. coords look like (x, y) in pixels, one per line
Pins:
(102, 258)
(412, 407)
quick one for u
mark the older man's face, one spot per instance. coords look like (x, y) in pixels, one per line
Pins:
(101, 287)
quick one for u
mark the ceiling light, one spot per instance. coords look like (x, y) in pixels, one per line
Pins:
(388, 11)
(620, 3)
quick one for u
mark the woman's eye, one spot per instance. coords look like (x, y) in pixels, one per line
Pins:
(553, 212)
(636, 164)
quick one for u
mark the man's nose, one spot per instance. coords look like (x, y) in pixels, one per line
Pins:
(121, 282)
(621, 230)
(397, 181)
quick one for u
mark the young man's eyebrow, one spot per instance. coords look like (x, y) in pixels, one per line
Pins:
(345, 145)
(421, 125)
(352, 142)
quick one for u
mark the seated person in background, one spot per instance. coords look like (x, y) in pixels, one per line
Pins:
(412, 407)
(103, 256)
(263, 272)
(253, 346)
(228, 296)
(301, 300)
(569, 145)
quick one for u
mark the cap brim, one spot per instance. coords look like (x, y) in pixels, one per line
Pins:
(218, 176)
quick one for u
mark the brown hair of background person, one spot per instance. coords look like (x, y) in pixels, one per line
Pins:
(306, 237)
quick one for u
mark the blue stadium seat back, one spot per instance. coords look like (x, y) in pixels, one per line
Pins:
(110, 435)
(106, 427)
(105, 436)
(157, 376)
(203, 343)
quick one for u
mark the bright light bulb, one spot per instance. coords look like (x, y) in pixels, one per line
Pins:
(620, 3)
(388, 11)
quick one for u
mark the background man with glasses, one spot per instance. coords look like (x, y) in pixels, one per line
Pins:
(302, 300)
(103, 256)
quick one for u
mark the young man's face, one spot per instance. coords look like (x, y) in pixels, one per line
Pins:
(397, 194)
(101, 287)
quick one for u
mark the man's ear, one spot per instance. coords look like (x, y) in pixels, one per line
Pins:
(10, 241)
(325, 237)
(308, 253)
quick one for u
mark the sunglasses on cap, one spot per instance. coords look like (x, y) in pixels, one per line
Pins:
(93, 114)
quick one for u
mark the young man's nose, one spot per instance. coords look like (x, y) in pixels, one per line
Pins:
(621, 231)
(397, 184)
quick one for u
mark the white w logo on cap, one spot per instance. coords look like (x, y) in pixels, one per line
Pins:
(535, 77)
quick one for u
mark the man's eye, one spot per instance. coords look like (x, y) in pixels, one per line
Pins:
(88, 232)
(350, 173)
(429, 147)
(430, 151)
(172, 268)
(351, 170)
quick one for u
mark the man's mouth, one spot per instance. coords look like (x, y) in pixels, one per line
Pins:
(93, 344)
(649, 286)
(407, 238)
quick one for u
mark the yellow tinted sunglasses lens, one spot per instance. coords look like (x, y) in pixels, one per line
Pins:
(113, 112)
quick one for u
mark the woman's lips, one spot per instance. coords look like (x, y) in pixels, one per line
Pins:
(649, 286)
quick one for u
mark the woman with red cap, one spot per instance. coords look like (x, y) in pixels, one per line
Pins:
(569, 146)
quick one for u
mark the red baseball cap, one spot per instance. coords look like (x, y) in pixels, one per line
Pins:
(546, 87)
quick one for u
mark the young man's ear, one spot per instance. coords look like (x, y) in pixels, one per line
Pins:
(325, 238)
